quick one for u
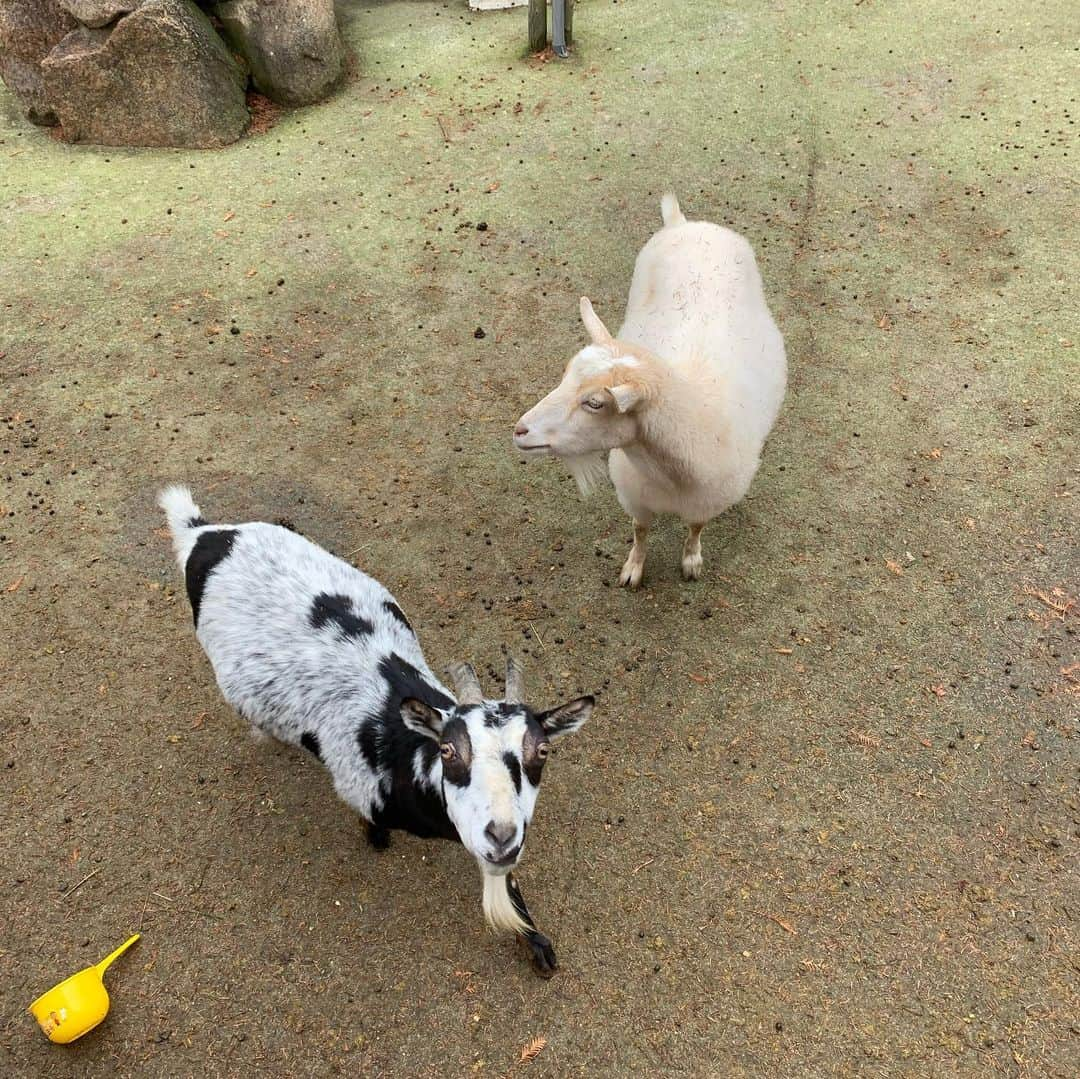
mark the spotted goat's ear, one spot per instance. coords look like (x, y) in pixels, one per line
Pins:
(421, 718)
(567, 718)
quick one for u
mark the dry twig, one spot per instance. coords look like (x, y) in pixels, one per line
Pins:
(75, 887)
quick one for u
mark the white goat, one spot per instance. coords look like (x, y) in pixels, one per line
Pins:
(683, 397)
(319, 655)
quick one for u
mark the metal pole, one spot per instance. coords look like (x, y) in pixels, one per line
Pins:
(558, 28)
(537, 25)
(569, 22)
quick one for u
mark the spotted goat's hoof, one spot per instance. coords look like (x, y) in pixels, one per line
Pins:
(541, 954)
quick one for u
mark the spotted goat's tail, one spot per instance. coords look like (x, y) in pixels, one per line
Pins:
(184, 516)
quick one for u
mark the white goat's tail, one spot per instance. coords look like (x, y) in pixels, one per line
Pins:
(183, 516)
(499, 909)
(670, 212)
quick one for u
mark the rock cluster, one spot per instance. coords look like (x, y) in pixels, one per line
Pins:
(164, 72)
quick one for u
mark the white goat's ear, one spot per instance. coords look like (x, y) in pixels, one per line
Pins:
(597, 330)
(421, 718)
(625, 396)
(567, 718)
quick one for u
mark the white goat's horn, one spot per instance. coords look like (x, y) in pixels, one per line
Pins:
(597, 330)
(466, 684)
(515, 682)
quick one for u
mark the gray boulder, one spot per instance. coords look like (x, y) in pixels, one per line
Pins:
(28, 30)
(293, 47)
(159, 77)
(99, 12)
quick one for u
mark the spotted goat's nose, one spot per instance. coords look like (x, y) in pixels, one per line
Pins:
(501, 834)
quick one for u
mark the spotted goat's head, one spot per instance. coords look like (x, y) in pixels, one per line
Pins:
(493, 754)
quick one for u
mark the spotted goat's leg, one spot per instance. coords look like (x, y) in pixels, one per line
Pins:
(541, 953)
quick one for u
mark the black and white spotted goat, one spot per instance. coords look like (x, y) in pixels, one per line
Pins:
(317, 654)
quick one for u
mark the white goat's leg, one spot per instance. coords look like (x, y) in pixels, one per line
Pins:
(691, 554)
(634, 566)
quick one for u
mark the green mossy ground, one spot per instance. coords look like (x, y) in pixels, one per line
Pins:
(825, 819)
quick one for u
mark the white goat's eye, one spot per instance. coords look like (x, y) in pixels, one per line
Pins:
(542, 750)
(447, 751)
(593, 404)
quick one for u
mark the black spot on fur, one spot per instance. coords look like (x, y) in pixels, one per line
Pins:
(406, 681)
(211, 548)
(310, 741)
(459, 770)
(535, 735)
(196, 521)
(398, 613)
(496, 715)
(367, 737)
(514, 768)
(338, 609)
(390, 749)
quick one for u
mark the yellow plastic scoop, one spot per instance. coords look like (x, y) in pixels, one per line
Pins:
(77, 1004)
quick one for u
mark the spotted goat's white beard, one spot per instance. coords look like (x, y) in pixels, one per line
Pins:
(589, 471)
(499, 909)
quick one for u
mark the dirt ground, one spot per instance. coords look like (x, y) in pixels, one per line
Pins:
(825, 819)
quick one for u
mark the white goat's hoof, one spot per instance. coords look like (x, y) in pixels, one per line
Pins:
(691, 567)
(632, 573)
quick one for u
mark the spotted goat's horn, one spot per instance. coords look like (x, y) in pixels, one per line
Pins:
(515, 682)
(466, 684)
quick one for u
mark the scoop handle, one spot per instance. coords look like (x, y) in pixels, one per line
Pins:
(113, 956)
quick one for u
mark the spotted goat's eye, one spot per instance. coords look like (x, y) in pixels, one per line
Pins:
(593, 404)
(447, 751)
(542, 750)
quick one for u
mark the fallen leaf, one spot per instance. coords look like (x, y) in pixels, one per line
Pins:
(783, 651)
(14, 586)
(532, 1049)
(884, 323)
(699, 678)
(491, 189)
(938, 691)
(863, 739)
(230, 215)
(1063, 607)
(894, 567)
(926, 742)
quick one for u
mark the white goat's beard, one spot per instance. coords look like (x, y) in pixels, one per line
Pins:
(589, 470)
(499, 909)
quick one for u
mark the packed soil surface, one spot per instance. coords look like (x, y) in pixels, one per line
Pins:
(824, 820)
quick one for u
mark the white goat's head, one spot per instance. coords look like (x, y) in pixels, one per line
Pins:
(593, 409)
